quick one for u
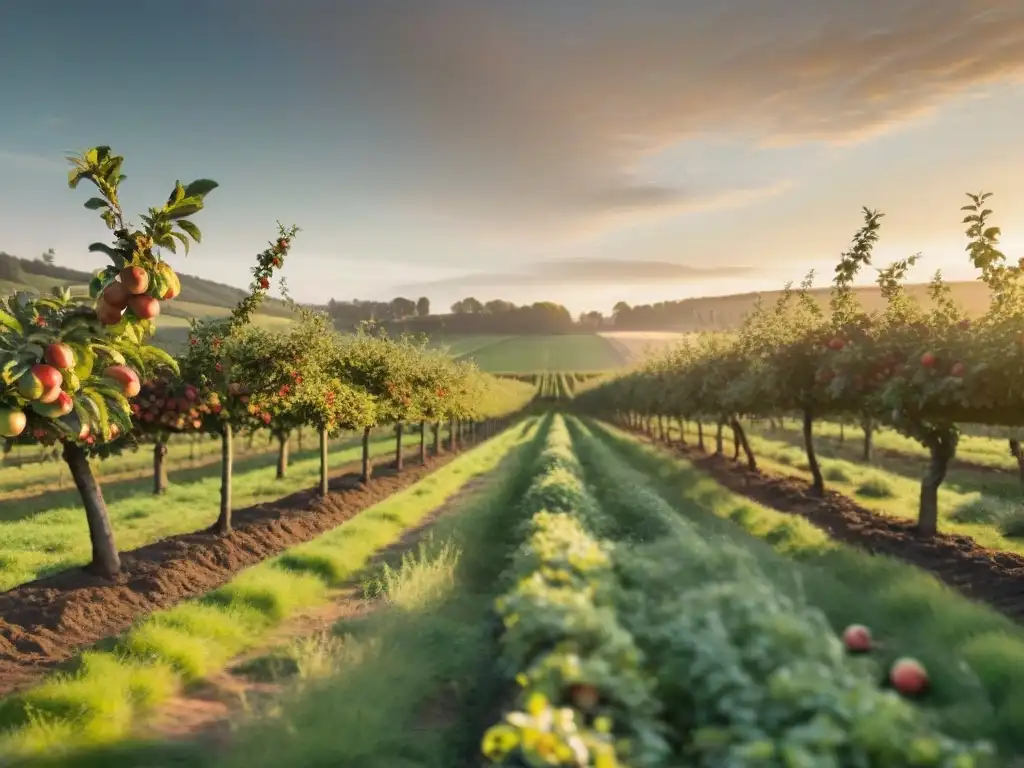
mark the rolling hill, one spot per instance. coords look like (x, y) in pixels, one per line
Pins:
(200, 298)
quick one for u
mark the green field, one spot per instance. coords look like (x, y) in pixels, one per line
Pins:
(527, 354)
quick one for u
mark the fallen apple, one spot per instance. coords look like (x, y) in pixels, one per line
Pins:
(857, 638)
(908, 676)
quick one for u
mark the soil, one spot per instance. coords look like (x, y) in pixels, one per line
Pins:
(46, 622)
(210, 710)
(986, 575)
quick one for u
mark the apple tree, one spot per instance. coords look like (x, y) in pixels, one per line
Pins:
(70, 367)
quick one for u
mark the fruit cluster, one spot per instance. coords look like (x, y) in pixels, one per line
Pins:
(171, 405)
(137, 289)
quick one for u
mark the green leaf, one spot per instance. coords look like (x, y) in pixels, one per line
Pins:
(184, 240)
(177, 194)
(11, 322)
(95, 203)
(166, 241)
(200, 188)
(104, 248)
(157, 356)
(191, 229)
(186, 207)
(110, 352)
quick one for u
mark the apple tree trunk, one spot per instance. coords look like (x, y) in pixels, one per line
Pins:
(423, 442)
(818, 480)
(282, 455)
(227, 461)
(437, 438)
(399, 429)
(365, 476)
(160, 481)
(941, 449)
(105, 560)
(324, 489)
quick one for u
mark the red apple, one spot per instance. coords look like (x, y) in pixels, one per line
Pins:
(144, 307)
(135, 280)
(61, 405)
(908, 676)
(928, 360)
(107, 314)
(964, 324)
(264, 283)
(41, 383)
(836, 344)
(958, 370)
(126, 377)
(12, 422)
(60, 356)
(857, 638)
(116, 295)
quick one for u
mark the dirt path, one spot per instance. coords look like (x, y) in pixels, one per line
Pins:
(211, 710)
(46, 622)
(987, 575)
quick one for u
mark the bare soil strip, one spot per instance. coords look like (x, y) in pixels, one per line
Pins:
(46, 622)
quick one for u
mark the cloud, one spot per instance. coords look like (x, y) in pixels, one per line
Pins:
(578, 272)
(537, 116)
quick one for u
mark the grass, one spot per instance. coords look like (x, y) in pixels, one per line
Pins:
(48, 533)
(526, 354)
(26, 472)
(101, 701)
(893, 487)
(974, 655)
(463, 345)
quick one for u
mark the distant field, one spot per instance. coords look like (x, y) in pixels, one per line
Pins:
(635, 346)
(526, 354)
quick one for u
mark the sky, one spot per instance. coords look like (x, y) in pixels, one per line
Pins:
(582, 151)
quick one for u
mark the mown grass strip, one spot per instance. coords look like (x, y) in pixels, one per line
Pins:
(975, 656)
(103, 698)
(749, 671)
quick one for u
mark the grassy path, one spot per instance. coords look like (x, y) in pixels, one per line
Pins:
(101, 703)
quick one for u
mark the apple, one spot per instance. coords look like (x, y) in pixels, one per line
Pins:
(126, 377)
(964, 324)
(135, 280)
(928, 360)
(12, 422)
(144, 307)
(42, 382)
(191, 393)
(857, 638)
(908, 676)
(266, 418)
(62, 405)
(116, 295)
(836, 344)
(264, 283)
(59, 356)
(107, 314)
(958, 370)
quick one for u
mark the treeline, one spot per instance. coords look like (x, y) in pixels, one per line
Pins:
(467, 316)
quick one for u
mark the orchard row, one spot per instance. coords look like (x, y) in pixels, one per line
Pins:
(922, 370)
(79, 371)
(638, 639)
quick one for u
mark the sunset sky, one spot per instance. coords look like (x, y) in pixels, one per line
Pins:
(583, 151)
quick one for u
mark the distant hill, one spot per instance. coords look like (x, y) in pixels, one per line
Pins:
(199, 298)
(727, 312)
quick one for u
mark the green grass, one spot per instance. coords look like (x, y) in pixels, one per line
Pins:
(909, 610)
(101, 701)
(465, 345)
(526, 354)
(896, 493)
(30, 470)
(44, 534)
